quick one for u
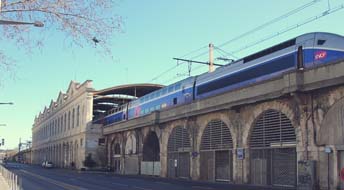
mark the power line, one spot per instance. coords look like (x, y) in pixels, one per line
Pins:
(168, 70)
(284, 16)
(309, 20)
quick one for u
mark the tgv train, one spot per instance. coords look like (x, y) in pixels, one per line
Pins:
(303, 52)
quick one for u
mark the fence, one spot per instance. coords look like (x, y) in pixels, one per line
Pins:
(12, 179)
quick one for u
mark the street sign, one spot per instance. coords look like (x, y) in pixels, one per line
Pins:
(240, 153)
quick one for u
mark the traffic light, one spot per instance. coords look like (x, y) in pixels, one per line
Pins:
(3, 142)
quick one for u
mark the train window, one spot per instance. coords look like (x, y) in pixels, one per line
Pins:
(158, 93)
(157, 107)
(321, 42)
(170, 88)
(164, 91)
(270, 50)
(175, 101)
(178, 86)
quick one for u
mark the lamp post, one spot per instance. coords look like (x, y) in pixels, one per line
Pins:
(11, 22)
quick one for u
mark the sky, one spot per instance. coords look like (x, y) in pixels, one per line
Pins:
(154, 33)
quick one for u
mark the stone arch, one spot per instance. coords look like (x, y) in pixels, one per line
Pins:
(179, 152)
(216, 156)
(202, 122)
(332, 126)
(151, 164)
(151, 147)
(272, 143)
(131, 144)
(330, 134)
(251, 118)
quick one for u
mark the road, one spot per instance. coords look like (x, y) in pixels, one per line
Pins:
(37, 178)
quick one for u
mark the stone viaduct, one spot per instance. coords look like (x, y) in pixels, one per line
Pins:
(288, 131)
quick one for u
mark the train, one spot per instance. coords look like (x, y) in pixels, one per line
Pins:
(303, 52)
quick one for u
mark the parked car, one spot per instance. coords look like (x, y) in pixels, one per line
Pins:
(47, 164)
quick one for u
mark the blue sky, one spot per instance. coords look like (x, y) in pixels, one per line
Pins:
(154, 33)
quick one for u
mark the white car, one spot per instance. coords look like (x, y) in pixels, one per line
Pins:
(47, 164)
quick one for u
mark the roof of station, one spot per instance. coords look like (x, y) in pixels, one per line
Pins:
(136, 90)
(109, 98)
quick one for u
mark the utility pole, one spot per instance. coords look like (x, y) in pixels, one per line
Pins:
(211, 58)
(210, 63)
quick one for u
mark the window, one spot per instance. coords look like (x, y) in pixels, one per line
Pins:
(73, 117)
(321, 42)
(81, 142)
(65, 122)
(68, 120)
(178, 86)
(170, 89)
(78, 116)
(164, 91)
(175, 101)
(157, 107)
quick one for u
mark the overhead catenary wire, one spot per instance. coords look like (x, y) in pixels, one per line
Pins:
(306, 21)
(284, 16)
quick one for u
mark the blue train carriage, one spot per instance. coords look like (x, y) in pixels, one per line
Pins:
(116, 115)
(305, 51)
(172, 95)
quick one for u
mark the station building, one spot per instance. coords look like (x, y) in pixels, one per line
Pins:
(65, 132)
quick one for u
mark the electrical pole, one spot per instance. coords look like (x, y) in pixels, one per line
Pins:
(211, 57)
(210, 63)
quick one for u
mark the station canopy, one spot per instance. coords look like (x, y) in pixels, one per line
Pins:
(106, 99)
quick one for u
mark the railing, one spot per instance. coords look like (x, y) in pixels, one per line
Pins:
(14, 183)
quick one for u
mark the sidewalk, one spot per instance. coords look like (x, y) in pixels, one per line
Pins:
(3, 184)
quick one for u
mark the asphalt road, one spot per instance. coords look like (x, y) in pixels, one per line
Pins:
(37, 178)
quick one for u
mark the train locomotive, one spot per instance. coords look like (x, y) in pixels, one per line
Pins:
(303, 52)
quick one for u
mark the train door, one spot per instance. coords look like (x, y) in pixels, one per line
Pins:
(187, 95)
(304, 51)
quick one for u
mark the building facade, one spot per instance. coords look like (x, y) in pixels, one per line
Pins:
(63, 133)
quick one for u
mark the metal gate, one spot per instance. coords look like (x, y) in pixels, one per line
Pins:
(273, 150)
(216, 152)
(117, 158)
(178, 153)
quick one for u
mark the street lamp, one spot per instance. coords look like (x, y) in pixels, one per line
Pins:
(11, 22)
(8, 103)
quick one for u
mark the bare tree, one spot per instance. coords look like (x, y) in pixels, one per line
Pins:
(82, 22)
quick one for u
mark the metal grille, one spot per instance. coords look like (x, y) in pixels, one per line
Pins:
(222, 166)
(178, 152)
(272, 128)
(216, 136)
(284, 166)
(273, 150)
(179, 140)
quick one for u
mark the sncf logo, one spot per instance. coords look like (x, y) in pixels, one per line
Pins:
(320, 55)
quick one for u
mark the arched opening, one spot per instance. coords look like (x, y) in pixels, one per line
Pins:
(178, 153)
(216, 152)
(117, 157)
(150, 164)
(131, 163)
(273, 150)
